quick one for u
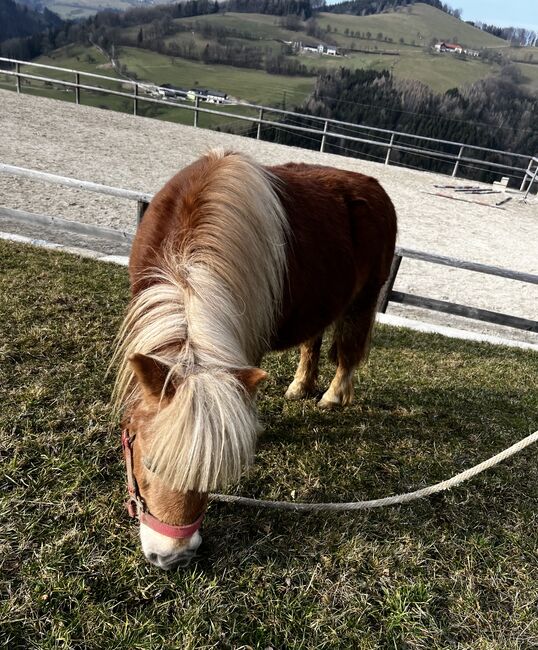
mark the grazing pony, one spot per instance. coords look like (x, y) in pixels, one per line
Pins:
(232, 260)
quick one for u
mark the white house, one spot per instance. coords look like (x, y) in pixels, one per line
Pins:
(449, 47)
(216, 97)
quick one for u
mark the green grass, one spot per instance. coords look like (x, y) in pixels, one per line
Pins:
(79, 57)
(420, 23)
(260, 26)
(440, 72)
(252, 85)
(76, 57)
(77, 9)
(458, 570)
(530, 75)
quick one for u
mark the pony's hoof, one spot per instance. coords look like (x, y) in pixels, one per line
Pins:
(328, 404)
(298, 391)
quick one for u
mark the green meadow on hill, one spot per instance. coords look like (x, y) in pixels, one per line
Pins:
(405, 34)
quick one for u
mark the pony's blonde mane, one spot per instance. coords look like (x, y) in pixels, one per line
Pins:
(211, 307)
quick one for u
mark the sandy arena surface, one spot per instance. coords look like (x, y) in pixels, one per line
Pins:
(141, 154)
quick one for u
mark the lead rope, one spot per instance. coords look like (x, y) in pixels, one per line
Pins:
(386, 501)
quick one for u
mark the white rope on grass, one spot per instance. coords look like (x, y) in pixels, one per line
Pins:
(386, 501)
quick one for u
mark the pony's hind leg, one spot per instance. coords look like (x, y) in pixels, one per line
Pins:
(351, 341)
(306, 375)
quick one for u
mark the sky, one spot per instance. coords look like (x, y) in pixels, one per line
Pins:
(504, 13)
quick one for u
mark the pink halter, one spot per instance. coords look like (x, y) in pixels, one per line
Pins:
(136, 506)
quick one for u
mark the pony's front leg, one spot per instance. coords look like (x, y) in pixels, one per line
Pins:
(306, 376)
(340, 392)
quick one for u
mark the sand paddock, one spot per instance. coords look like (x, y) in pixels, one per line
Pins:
(141, 154)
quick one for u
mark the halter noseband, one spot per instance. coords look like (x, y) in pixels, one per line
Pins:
(136, 506)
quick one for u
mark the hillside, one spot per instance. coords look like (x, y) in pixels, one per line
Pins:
(417, 24)
(77, 9)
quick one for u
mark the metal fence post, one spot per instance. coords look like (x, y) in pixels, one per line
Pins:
(135, 100)
(456, 166)
(389, 150)
(196, 106)
(324, 137)
(259, 130)
(533, 179)
(18, 79)
(77, 88)
(141, 207)
(526, 175)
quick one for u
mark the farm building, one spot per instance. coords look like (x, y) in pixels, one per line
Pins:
(207, 95)
(452, 48)
(326, 50)
(167, 91)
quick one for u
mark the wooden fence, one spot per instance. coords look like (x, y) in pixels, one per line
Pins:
(142, 200)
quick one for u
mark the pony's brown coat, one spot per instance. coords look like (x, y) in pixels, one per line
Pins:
(344, 231)
(330, 235)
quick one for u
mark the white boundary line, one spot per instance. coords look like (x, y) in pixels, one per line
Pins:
(452, 332)
(385, 319)
(122, 260)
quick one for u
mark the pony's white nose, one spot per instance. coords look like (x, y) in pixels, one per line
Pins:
(167, 562)
(165, 552)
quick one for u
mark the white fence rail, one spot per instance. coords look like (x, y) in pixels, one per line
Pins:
(524, 168)
(143, 200)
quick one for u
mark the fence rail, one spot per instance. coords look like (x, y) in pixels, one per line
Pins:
(142, 199)
(521, 167)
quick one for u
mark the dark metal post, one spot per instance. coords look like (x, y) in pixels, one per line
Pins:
(77, 88)
(141, 207)
(196, 105)
(135, 100)
(259, 130)
(18, 79)
(387, 289)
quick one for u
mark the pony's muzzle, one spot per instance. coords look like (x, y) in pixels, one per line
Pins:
(168, 553)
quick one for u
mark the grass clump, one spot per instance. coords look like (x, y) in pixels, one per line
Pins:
(458, 570)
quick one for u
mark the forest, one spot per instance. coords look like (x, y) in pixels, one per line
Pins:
(20, 22)
(496, 113)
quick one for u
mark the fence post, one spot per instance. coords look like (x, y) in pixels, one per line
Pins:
(135, 100)
(527, 173)
(533, 179)
(77, 88)
(141, 207)
(456, 166)
(387, 289)
(196, 106)
(18, 79)
(259, 130)
(324, 137)
(389, 150)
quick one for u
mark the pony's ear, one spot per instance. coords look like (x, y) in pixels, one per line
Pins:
(151, 374)
(250, 378)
